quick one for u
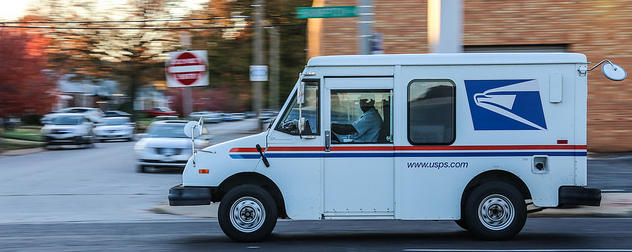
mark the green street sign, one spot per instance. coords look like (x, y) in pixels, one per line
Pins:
(326, 12)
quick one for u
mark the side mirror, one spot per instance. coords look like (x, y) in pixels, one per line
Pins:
(193, 129)
(611, 70)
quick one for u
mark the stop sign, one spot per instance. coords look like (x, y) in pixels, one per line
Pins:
(187, 69)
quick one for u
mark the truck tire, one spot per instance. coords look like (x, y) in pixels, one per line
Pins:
(495, 211)
(247, 213)
(462, 223)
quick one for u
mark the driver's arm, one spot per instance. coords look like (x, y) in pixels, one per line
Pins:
(343, 129)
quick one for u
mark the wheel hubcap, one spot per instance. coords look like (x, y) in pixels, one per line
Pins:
(496, 212)
(247, 214)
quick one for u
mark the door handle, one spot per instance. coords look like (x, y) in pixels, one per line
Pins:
(327, 140)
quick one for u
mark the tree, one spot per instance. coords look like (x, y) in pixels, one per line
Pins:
(25, 86)
(230, 47)
(130, 52)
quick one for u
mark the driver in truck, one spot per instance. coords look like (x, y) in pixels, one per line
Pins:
(367, 127)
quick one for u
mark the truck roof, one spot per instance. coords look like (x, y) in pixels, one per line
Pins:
(449, 59)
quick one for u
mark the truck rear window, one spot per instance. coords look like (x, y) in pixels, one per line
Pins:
(431, 112)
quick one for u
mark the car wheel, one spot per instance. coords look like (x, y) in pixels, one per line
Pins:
(247, 213)
(495, 211)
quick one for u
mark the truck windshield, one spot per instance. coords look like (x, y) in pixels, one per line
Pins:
(290, 118)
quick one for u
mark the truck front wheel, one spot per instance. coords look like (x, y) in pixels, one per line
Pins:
(495, 211)
(247, 213)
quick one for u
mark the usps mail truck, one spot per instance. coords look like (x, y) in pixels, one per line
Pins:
(472, 138)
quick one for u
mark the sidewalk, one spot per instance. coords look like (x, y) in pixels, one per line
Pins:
(613, 205)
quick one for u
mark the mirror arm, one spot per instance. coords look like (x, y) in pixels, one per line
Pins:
(193, 144)
(595, 66)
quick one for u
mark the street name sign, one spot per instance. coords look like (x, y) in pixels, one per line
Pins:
(326, 12)
(187, 69)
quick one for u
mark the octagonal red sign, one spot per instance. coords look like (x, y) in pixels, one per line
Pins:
(187, 69)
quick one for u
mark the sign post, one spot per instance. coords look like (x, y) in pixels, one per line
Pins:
(187, 69)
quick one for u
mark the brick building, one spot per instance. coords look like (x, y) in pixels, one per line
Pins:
(600, 29)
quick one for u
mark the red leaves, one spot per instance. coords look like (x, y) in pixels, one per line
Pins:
(25, 85)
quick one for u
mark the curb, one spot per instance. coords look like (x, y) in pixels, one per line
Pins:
(613, 205)
(202, 211)
(21, 152)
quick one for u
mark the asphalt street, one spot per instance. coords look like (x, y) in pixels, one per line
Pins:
(539, 235)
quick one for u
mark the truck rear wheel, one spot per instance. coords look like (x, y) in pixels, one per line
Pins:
(495, 211)
(247, 213)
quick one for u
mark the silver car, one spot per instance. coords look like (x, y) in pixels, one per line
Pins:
(164, 145)
(115, 128)
(68, 129)
(93, 114)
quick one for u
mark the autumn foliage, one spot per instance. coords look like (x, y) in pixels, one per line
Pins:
(25, 86)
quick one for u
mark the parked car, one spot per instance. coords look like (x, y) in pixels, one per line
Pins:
(69, 129)
(115, 128)
(160, 111)
(229, 117)
(93, 114)
(116, 113)
(208, 116)
(164, 145)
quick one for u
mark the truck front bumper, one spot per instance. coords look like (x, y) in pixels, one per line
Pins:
(189, 196)
(576, 195)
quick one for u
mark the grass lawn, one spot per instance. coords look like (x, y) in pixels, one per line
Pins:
(29, 133)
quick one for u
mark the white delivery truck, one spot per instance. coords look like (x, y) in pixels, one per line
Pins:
(472, 138)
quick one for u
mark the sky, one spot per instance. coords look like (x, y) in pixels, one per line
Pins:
(11, 10)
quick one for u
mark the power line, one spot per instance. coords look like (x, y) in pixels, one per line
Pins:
(143, 28)
(112, 21)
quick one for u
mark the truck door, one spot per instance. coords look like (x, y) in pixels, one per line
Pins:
(295, 152)
(358, 165)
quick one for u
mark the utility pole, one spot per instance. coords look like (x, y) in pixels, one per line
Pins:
(257, 51)
(365, 26)
(445, 26)
(273, 94)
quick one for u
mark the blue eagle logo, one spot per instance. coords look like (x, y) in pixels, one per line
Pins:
(505, 104)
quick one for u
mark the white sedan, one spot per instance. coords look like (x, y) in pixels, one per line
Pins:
(164, 145)
(114, 128)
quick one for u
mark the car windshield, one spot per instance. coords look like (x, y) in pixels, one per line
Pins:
(75, 110)
(67, 120)
(175, 130)
(115, 121)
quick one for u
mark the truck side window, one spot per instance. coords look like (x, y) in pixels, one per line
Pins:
(361, 116)
(431, 112)
(309, 111)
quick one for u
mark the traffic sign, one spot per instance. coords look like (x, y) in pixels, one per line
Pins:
(258, 73)
(326, 12)
(187, 69)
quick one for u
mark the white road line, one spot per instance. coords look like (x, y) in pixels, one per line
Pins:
(517, 250)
